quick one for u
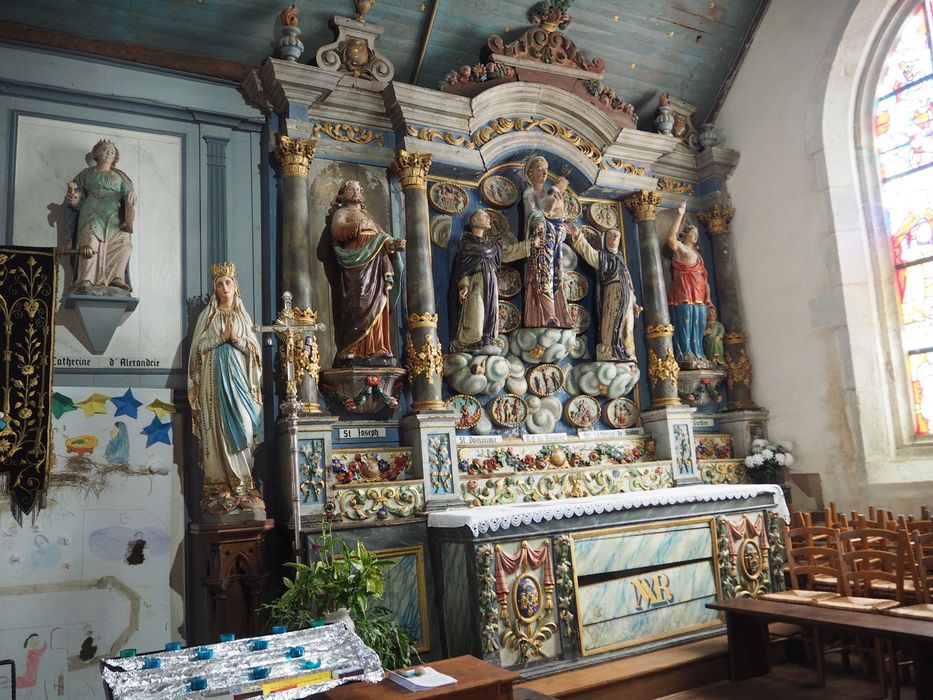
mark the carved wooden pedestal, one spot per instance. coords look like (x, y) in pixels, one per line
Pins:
(229, 562)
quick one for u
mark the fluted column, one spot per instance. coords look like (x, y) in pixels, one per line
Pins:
(294, 157)
(424, 358)
(662, 367)
(739, 378)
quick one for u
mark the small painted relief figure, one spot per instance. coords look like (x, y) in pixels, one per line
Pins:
(473, 299)
(106, 204)
(225, 393)
(689, 293)
(370, 267)
(712, 338)
(545, 303)
(615, 297)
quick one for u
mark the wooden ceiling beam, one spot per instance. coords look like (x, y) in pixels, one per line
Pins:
(186, 63)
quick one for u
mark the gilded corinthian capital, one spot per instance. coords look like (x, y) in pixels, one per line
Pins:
(717, 219)
(294, 156)
(644, 205)
(411, 168)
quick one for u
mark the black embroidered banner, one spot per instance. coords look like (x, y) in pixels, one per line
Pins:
(27, 334)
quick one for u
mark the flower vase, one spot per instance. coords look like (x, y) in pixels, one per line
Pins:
(340, 615)
(707, 136)
(664, 122)
(290, 46)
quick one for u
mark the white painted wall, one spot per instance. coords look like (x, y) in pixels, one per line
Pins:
(810, 294)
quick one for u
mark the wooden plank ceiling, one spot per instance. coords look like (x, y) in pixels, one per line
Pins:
(685, 47)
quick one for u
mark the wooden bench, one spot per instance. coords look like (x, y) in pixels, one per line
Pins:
(747, 631)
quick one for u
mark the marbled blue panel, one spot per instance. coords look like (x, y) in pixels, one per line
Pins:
(635, 549)
(402, 595)
(627, 596)
(457, 606)
(660, 622)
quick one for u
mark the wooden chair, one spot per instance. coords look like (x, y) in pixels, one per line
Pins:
(812, 556)
(868, 566)
(923, 576)
(811, 553)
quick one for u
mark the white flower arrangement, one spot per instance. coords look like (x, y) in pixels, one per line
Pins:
(767, 459)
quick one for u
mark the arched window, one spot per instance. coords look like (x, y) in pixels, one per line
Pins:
(903, 130)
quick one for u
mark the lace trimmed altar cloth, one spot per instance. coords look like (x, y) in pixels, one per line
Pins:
(492, 518)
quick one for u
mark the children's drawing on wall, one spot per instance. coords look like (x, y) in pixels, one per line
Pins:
(91, 461)
(90, 575)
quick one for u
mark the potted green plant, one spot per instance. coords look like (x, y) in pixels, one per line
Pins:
(344, 582)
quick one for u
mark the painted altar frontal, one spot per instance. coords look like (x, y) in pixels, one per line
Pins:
(518, 288)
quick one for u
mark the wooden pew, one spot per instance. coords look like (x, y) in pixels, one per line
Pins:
(747, 630)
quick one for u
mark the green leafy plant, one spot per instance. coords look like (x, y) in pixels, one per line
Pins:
(344, 577)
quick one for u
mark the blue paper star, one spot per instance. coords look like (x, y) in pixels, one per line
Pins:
(157, 431)
(127, 404)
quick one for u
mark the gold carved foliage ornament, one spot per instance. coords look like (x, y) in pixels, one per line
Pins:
(294, 156)
(740, 369)
(428, 361)
(347, 133)
(666, 370)
(412, 168)
(644, 205)
(717, 219)
(425, 320)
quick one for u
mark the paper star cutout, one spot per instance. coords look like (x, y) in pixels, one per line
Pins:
(127, 404)
(95, 403)
(157, 432)
(61, 404)
(161, 408)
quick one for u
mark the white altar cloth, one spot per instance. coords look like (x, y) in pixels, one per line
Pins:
(491, 518)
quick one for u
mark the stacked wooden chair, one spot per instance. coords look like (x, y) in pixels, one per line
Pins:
(874, 563)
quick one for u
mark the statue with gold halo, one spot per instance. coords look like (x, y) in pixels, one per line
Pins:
(225, 394)
(370, 271)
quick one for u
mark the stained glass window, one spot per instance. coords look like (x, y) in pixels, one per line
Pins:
(903, 126)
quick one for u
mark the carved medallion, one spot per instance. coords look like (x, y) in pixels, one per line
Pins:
(621, 413)
(575, 285)
(572, 208)
(545, 380)
(448, 198)
(468, 408)
(500, 225)
(510, 282)
(508, 410)
(498, 191)
(750, 559)
(509, 317)
(440, 230)
(603, 215)
(526, 598)
(593, 237)
(582, 411)
(580, 318)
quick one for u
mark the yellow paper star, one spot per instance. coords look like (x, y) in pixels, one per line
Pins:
(95, 403)
(161, 408)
